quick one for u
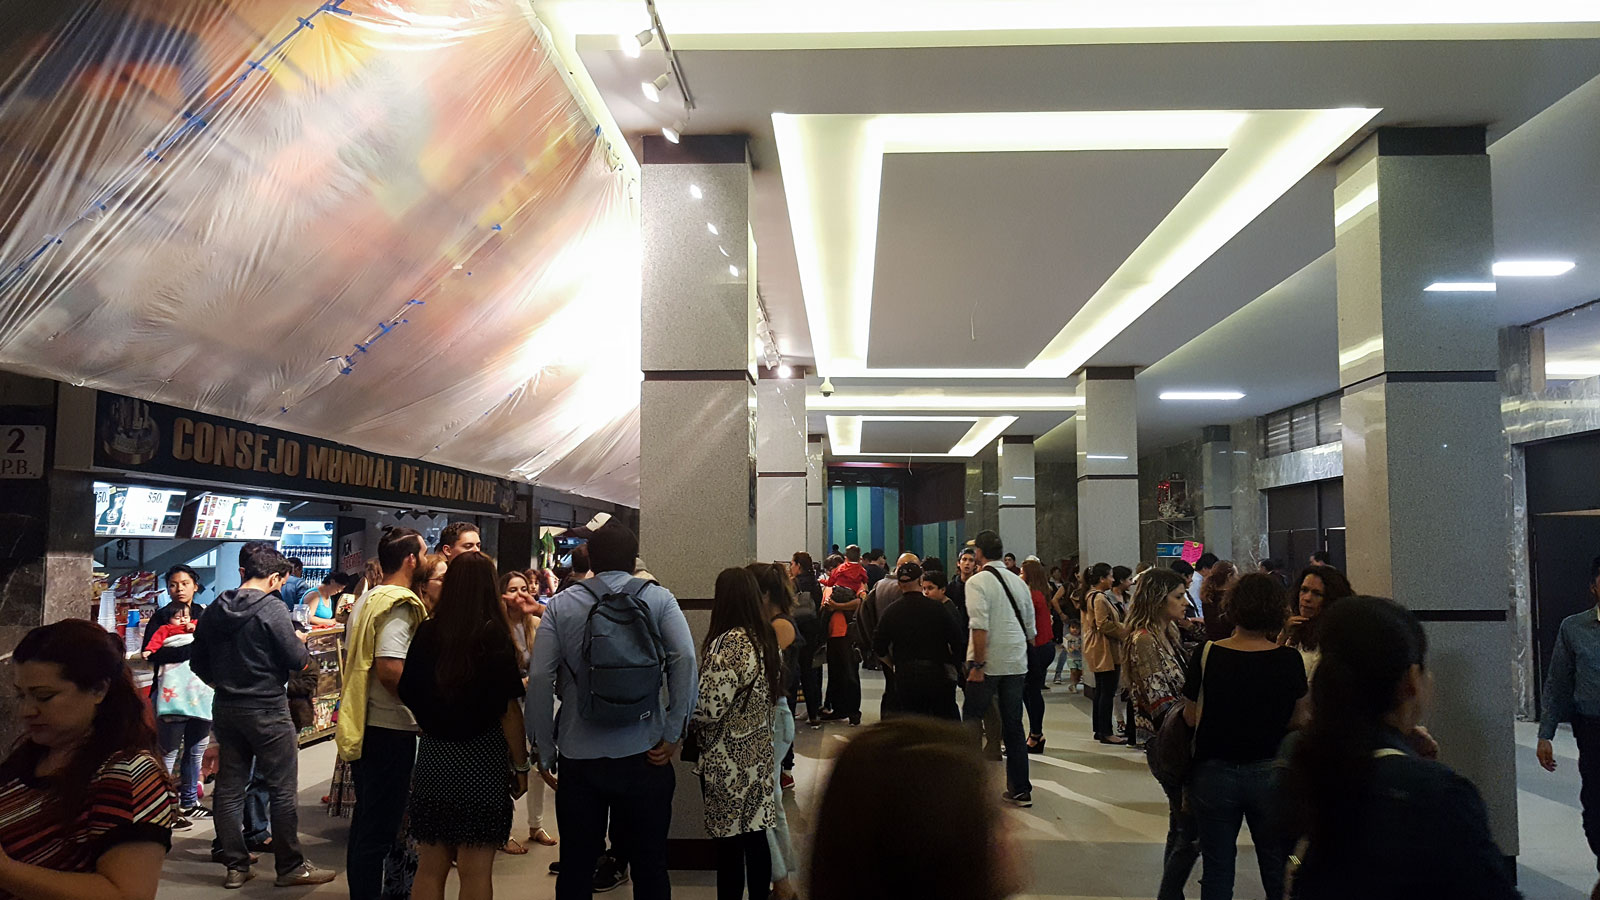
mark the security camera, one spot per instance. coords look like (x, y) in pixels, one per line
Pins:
(827, 387)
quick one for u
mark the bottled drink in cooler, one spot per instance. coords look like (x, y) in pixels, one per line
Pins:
(131, 635)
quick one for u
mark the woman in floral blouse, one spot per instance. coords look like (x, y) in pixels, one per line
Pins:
(1155, 673)
(740, 682)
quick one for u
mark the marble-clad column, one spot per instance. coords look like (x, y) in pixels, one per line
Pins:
(697, 469)
(1216, 486)
(1108, 467)
(781, 468)
(816, 499)
(696, 432)
(1422, 429)
(1018, 527)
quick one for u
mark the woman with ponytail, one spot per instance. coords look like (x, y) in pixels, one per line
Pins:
(1377, 820)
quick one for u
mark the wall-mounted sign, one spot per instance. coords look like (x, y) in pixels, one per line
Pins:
(135, 436)
(22, 451)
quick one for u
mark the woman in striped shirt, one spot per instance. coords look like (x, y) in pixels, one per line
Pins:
(86, 810)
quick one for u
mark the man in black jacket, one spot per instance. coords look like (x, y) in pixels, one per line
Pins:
(246, 648)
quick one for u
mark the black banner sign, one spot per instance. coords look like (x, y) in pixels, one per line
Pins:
(135, 436)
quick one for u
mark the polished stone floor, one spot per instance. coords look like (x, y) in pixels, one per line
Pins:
(1096, 829)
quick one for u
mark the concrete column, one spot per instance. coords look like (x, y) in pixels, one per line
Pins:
(1018, 527)
(1422, 428)
(697, 466)
(983, 490)
(1216, 485)
(781, 468)
(1108, 467)
(816, 499)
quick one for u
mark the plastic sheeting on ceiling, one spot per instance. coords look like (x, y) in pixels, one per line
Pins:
(384, 222)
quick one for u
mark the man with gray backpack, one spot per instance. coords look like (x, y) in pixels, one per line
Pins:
(617, 651)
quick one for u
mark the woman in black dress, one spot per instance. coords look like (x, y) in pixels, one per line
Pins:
(462, 683)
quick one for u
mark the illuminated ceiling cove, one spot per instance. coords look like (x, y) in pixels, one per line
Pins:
(832, 166)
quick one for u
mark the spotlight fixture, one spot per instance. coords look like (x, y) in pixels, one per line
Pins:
(652, 89)
(785, 371)
(633, 45)
(673, 132)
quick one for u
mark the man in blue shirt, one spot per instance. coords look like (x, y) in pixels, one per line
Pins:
(1572, 692)
(621, 772)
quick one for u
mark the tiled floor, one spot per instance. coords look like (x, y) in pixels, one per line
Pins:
(1096, 829)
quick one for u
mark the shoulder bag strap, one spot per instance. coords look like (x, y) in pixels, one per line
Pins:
(1010, 600)
(1200, 704)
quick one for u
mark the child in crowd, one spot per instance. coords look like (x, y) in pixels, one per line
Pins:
(178, 632)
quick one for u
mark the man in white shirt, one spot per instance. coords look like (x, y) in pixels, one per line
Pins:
(1202, 568)
(1000, 613)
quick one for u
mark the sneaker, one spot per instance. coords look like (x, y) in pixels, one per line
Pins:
(1046, 687)
(194, 813)
(609, 875)
(181, 824)
(555, 867)
(855, 720)
(236, 878)
(306, 874)
(786, 781)
(1021, 800)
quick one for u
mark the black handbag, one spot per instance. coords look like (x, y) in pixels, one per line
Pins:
(689, 750)
(1170, 754)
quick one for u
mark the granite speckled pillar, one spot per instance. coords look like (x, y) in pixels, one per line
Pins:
(1422, 429)
(781, 468)
(1108, 467)
(816, 499)
(1018, 528)
(697, 466)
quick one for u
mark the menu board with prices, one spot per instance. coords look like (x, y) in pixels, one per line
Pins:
(124, 511)
(221, 518)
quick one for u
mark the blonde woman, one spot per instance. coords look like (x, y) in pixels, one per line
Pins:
(523, 613)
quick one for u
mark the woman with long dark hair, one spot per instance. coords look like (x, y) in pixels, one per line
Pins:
(741, 679)
(1319, 588)
(911, 812)
(86, 810)
(808, 597)
(1155, 677)
(1378, 820)
(462, 683)
(1241, 696)
(1040, 653)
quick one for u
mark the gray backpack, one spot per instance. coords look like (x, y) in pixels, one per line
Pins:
(624, 657)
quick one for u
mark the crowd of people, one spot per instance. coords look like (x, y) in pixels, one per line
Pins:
(1297, 713)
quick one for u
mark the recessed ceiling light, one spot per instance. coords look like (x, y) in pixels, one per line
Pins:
(712, 228)
(1532, 268)
(1102, 456)
(942, 400)
(694, 191)
(1201, 395)
(652, 89)
(734, 271)
(1576, 368)
(1461, 287)
(633, 45)
(785, 371)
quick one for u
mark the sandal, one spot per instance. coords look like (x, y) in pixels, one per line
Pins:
(542, 837)
(513, 848)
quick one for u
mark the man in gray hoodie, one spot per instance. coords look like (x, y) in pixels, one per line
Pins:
(246, 648)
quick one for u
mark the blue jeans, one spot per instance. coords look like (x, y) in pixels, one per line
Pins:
(779, 844)
(175, 733)
(1222, 795)
(1008, 690)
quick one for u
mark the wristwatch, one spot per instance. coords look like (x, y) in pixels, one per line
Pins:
(977, 665)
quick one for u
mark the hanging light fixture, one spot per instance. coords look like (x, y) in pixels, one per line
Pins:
(652, 89)
(633, 45)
